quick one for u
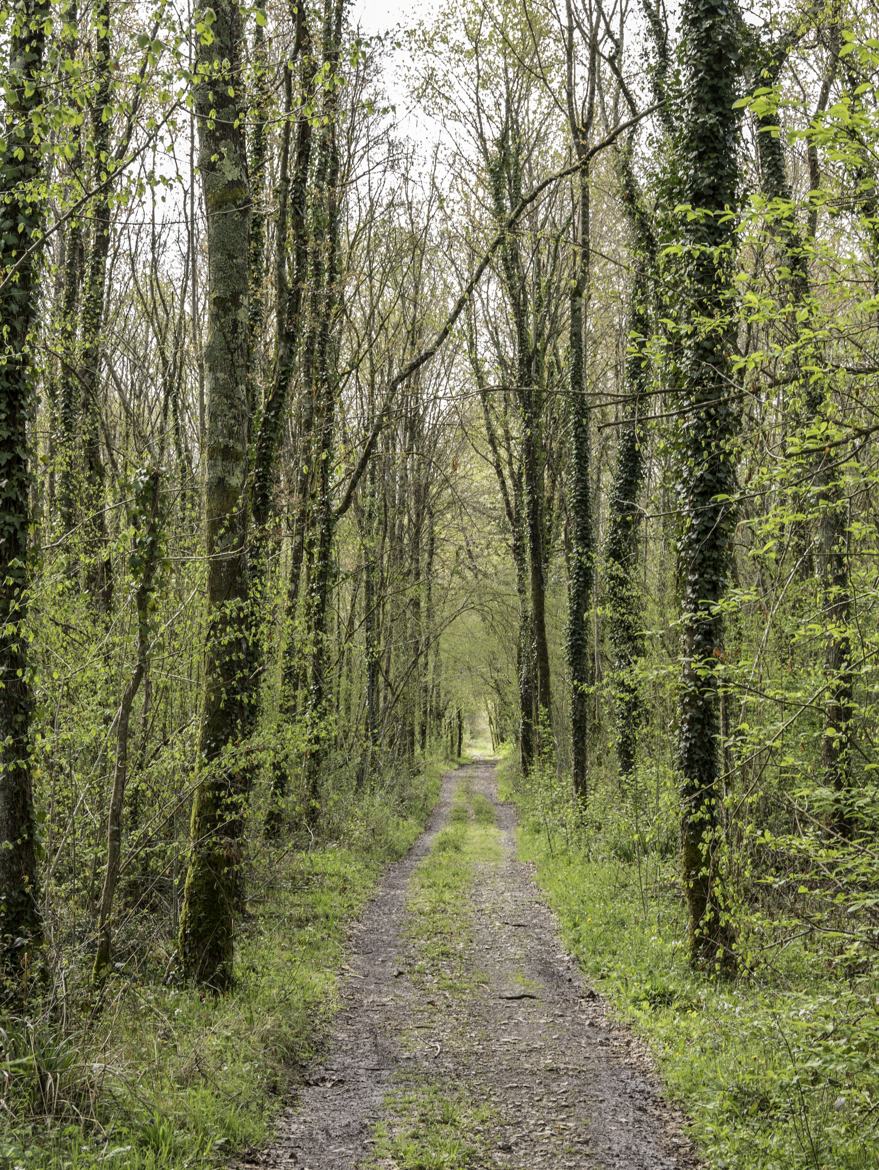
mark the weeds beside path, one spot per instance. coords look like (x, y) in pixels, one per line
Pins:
(468, 1038)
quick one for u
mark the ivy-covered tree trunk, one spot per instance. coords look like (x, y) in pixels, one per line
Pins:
(213, 881)
(625, 620)
(20, 225)
(625, 603)
(98, 568)
(532, 467)
(581, 112)
(708, 165)
(325, 292)
(63, 391)
(525, 674)
(506, 182)
(509, 479)
(371, 644)
(426, 659)
(579, 501)
(257, 165)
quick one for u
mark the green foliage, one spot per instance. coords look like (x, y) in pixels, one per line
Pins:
(167, 1078)
(775, 1071)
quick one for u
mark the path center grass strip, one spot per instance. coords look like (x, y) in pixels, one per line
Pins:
(439, 902)
(426, 1126)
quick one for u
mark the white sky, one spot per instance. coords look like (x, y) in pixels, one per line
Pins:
(377, 16)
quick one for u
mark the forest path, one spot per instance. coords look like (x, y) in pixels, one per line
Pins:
(468, 1039)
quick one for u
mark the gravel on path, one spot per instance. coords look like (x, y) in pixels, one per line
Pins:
(564, 1086)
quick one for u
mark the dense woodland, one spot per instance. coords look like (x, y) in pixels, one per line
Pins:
(510, 377)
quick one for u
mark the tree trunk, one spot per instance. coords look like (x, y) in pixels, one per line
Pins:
(534, 521)
(708, 146)
(289, 295)
(325, 278)
(579, 499)
(20, 165)
(506, 194)
(212, 892)
(144, 561)
(98, 567)
(371, 648)
(625, 620)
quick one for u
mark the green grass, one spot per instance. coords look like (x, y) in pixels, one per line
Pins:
(167, 1079)
(777, 1071)
(425, 1126)
(427, 1129)
(439, 892)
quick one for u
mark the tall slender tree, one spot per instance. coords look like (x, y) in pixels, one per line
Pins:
(20, 226)
(625, 604)
(709, 175)
(214, 876)
(581, 115)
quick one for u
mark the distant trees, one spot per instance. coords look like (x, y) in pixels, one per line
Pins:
(319, 444)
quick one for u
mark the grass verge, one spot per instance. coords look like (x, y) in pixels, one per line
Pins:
(167, 1079)
(777, 1071)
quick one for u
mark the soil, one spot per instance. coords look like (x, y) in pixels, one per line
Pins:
(563, 1085)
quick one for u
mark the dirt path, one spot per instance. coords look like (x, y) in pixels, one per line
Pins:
(468, 1039)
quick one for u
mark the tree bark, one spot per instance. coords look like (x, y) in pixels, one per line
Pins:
(580, 563)
(212, 892)
(325, 277)
(507, 192)
(708, 146)
(625, 620)
(91, 505)
(20, 226)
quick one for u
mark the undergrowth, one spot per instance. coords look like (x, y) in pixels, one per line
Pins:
(165, 1078)
(775, 1070)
